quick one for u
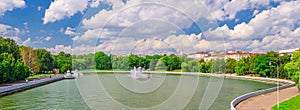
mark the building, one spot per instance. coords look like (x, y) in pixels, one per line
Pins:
(213, 57)
(198, 55)
(288, 51)
(237, 55)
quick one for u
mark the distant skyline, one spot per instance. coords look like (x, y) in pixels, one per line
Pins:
(152, 26)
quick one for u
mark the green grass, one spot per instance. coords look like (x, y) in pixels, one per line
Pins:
(291, 104)
(38, 75)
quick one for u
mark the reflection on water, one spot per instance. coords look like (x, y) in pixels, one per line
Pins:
(102, 91)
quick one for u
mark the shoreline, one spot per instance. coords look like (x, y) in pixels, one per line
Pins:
(225, 75)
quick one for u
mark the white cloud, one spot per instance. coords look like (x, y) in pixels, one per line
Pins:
(60, 9)
(27, 42)
(10, 32)
(268, 28)
(7, 31)
(39, 8)
(70, 31)
(60, 48)
(95, 3)
(48, 38)
(9, 5)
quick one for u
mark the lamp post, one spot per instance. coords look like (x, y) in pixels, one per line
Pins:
(270, 63)
(298, 79)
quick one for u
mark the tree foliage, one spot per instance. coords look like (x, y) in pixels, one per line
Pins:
(11, 66)
(103, 61)
(45, 60)
(230, 65)
(30, 59)
(241, 66)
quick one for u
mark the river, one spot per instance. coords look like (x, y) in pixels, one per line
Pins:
(118, 91)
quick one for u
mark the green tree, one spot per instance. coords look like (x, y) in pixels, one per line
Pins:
(230, 65)
(241, 66)
(293, 67)
(103, 61)
(261, 64)
(11, 69)
(63, 62)
(45, 59)
(160, 65)
(218, 66)
(9, 46)
(204, 67)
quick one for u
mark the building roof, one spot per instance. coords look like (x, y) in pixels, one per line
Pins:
(198, 53)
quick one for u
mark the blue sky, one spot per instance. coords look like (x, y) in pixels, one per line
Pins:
(151, 26)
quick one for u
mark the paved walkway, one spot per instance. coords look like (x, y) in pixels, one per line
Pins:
(5, 90)
(267, 101)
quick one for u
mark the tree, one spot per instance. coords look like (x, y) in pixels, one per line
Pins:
(103, 61)
(45, 60)
(63, 62)
(204, 67)
(230, 65)
(250, 61)
(11, 69)
(160, 65)
(261, 64)
(30, 59)
(293, 67)
(9, 46)
(241, 67)
(218, 66)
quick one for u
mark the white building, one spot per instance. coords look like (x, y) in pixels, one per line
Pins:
(237, 55)
(213, 57)
(234, 55)
(198, 55)
(288, 51)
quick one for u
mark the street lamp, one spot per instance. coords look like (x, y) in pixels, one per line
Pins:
(270, 63)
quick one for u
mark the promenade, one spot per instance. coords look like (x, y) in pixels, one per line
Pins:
(17, 87)
(267, 101)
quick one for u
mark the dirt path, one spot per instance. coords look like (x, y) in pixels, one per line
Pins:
(267, 101)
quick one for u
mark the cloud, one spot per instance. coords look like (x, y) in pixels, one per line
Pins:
(39, 8)
(60, 48)
(70, 31)
(123, 31)
(60, 9)
(7, 31)
(27, 42)
(10, 32)
(9, 5)
(48, 38)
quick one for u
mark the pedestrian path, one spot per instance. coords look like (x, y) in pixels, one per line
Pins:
(20, 87)
(267, 101)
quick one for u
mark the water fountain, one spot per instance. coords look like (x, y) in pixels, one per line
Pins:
(137, 73)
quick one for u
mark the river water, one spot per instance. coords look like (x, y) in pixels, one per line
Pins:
(118, 91)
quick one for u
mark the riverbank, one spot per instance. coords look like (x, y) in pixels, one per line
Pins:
(233, 76)
(10, 88)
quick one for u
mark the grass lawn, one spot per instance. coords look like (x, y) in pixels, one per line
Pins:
(38, 75)
(292, 104)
